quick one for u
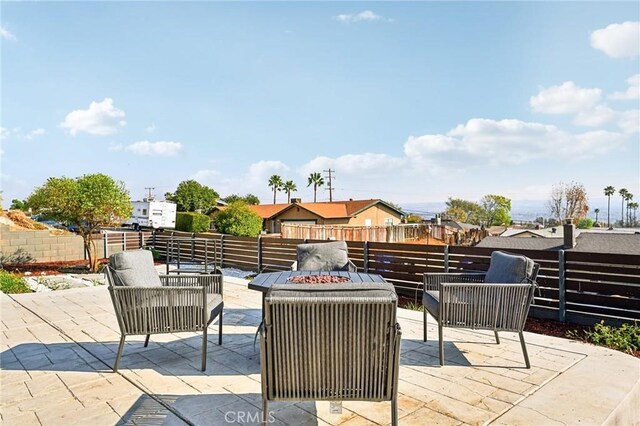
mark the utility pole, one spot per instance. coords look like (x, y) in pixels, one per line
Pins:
(330, 188)
(150, 189)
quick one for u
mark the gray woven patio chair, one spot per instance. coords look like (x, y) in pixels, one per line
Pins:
(147, 303)
(329, 256)
(497, 300)
(330, 342)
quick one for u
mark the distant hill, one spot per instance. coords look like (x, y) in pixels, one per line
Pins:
(521, 210)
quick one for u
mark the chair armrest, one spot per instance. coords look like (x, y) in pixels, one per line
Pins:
(213, 282)
(432, 281)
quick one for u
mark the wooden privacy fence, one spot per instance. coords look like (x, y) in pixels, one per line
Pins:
(573, 286)
(389, 234)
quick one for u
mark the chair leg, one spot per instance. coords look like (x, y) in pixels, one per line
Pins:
(265, 412)
(441, 343)
(118, 354)
(146, 341)
(220, 328)
(394, 410)
(424, 314)
(524, 350)
(497, 337)
(204, 349)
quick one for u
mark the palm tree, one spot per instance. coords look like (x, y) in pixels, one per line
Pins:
(623, 192)
(628, 197)
(317, 180)
(609, 191)
(634, 206)
(596, 211)
(275, 182)
(289, 187)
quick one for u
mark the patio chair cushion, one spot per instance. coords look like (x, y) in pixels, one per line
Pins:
(323, 257)
(508, 268)
(431, 302)
(135, 268)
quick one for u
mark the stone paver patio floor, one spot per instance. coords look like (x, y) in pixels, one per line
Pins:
(57, 350)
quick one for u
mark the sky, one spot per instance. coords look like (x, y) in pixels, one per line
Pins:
(406, 101)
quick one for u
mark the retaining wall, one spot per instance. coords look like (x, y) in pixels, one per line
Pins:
(41, 245)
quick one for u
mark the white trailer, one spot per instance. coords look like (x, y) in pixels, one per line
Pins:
(153, 214)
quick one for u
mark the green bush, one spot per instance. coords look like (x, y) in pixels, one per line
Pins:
(192, 222)
(12, 283)
(238, 219)
(625, 338)
(585, 223)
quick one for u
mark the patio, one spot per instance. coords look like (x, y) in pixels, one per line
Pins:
(58, 349)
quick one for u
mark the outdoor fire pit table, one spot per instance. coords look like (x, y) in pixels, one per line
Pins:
(263, 282)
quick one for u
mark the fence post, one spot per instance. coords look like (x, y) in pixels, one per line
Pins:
(446, 259)
(222, 250)
(141, 239)
(124, 241)
(366, 257)
(105, 244)
(562, 287)
(153, 238)
(259, 253)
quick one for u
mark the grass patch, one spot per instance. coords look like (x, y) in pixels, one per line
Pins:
(625, 338)
(12, 283)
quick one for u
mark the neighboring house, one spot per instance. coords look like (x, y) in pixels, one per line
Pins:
(571, 239)
(346, 213)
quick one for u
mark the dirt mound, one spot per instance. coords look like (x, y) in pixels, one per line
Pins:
(21, 220)
(18, 219)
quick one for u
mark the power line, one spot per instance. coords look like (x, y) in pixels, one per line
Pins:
(330, 188)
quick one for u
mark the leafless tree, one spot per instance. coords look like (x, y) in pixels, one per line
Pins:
(568, 201)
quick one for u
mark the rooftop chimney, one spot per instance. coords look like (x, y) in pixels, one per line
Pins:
(569, 234)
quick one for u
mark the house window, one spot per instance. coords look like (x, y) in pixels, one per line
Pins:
(367, 222)
(388, 221)
(144, 212)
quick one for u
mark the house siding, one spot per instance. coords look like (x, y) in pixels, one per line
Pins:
(377, 214)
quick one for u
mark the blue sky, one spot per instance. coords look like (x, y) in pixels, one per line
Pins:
(409, 102)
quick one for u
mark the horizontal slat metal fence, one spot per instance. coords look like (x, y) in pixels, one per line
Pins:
(573, 286)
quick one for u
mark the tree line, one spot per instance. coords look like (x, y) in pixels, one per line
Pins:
(276, 183)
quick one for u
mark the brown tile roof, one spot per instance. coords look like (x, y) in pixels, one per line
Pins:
(265, 211)
(326, 210)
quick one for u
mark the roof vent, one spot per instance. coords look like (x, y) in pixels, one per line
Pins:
(296, 200)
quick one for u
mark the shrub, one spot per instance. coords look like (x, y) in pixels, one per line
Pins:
(238, 219)
(413, 218)
(12, 283)
(625, 338)
(18, 257)
(192, 222)
(585, 223)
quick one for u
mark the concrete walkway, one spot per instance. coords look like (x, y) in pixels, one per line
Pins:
(57, 349)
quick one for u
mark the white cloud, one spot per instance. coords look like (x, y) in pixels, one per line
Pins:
(565, 99)
(632, 92)
(618, 40)
(101, 119)
(6, 34)
(367, 164)
(16, 133)
(595, 117)
(204, 176)
(261, 171)
(365, 15)
(629, 121)
(151, 128)
(35, 133)
(482, 141)
(159, 148)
